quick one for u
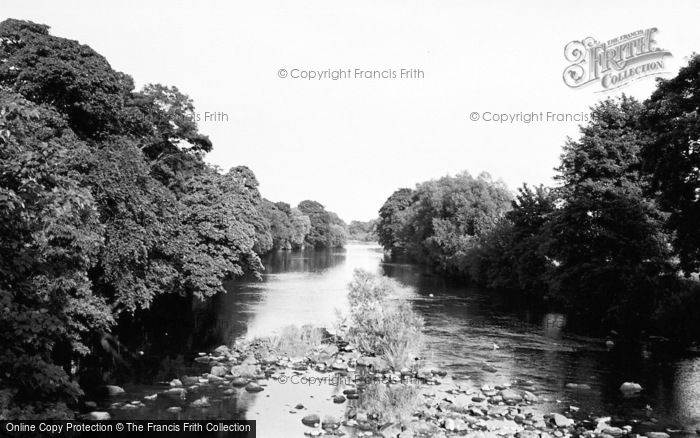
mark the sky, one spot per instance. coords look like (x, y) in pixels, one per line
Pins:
(349, 143)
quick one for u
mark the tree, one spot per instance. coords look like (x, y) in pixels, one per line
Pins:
(50, 237)
(672, 158)
(392, 219)
(327, 229)
(606, 241)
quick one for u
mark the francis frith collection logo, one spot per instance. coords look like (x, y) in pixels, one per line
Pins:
(614, 63)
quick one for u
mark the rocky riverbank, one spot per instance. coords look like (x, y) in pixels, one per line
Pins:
(426, 402)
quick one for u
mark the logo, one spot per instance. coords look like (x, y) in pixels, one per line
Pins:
(614, 63)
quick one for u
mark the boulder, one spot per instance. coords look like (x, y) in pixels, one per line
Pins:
(311, 420)
(511, 396)
(98, 416)
(202, 402)
(239, 382)
(253, 387)
(559, 420)
(113, 390)
(218, 371)
(630, 387)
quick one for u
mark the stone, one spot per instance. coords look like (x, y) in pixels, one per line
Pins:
(581, 386)
(202, 402)
(657, 435)
(222, 350)
(630, 387)
(530, 397)
(175, 382)
(253, 387)
(614, 431)
(239, 382)
(98, 416)
(511, 396)
(174, 409)
(189, 381)
(330, 423)
(91, 405)
(218, 371)
(311, 420)
(338, 399)
(150, 397)
(559, 420)
(113, 390)
(450, 424)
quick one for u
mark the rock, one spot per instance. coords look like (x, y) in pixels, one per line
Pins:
(218, 371)
(90, 405)
(450, 424)
(189, 381)
(253, 387)
(559, 420)
(340, 366)
(330, 423)
(630, 387)
(175, 393)
(174, 409)
(239, 382)
(311, 420)
(614, 431)
(338, 399)
(657, 435)
(511, 396)
(202, 402)
(150, 397)
(98, 416)
(581, 386)
(214, 379)
(247, 371)
(530, 397)
(222, 350)
(113, 390)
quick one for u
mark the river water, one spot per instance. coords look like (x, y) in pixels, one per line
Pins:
(471, 333)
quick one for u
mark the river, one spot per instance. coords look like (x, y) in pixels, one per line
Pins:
(471, 333)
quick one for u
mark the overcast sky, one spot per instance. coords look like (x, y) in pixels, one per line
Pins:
(350, 143)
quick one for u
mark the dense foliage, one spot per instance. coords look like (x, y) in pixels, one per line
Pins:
(105, 204)
(605, 244)
(363, 231)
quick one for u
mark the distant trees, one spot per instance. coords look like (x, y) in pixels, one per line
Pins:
(327, 229)
(363, 231)
(439, 222)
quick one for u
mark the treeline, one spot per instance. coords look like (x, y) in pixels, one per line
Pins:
(105, 204)
(616, 243)
(307, 225)
(363, 231)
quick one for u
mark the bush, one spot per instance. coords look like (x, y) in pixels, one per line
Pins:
(379, 323)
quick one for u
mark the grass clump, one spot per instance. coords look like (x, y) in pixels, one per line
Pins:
(394, 403)
(294, 341)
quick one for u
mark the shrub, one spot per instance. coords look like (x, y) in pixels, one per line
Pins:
(380, 323)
